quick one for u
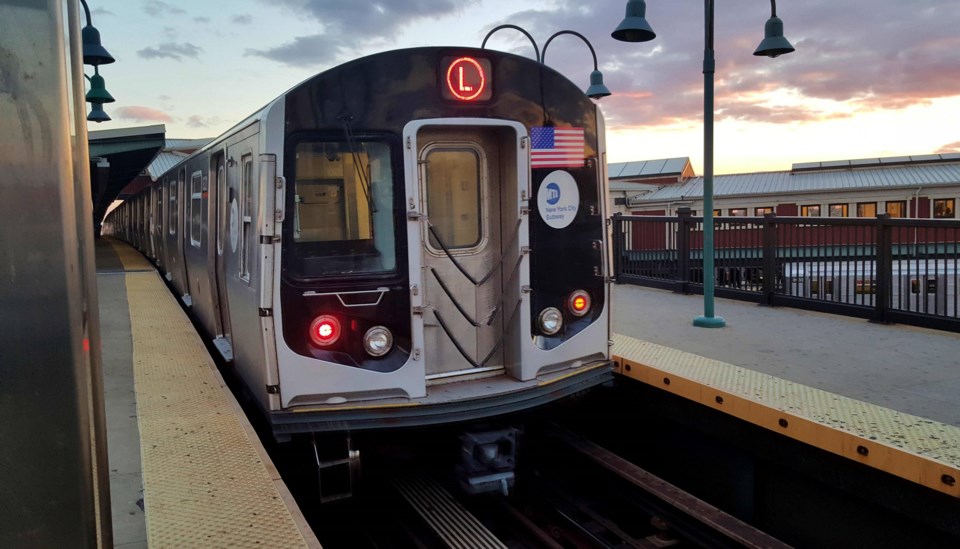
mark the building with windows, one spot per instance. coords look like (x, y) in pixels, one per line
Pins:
(924, 187)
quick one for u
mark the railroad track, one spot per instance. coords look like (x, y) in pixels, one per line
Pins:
(576, 495)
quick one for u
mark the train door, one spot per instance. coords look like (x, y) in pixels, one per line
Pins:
(468, 246)
(219, 224)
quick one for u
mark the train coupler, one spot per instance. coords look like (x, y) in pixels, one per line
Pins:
(488, 461)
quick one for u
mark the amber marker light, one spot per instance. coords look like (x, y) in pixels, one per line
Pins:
(579, 303)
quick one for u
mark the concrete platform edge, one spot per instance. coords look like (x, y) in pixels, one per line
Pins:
(677, 372)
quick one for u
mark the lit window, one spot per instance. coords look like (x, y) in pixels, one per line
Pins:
(810, 211)
(866, 209)
(838, 210)
(760, 212)
(738, 212)
(943, 208)
(717, 213)
(897, 208)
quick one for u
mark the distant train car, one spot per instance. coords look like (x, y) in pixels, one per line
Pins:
(918, 285)
(415, 237)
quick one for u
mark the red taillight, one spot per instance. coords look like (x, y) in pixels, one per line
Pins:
(325, 330)
(579, 303)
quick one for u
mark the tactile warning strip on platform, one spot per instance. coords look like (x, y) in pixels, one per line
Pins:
(911, 447)
(206, 480)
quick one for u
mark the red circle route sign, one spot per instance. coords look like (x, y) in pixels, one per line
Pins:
(466, 78)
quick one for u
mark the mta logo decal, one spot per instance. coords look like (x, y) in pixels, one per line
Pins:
(553, 193)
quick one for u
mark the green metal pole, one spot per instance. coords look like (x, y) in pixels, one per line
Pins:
(708, 320)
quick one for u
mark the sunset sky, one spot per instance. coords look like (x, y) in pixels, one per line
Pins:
(869, 78)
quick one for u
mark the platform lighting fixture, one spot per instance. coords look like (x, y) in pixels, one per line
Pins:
(97, 114)
(93, 51)
(95, 54)
(98, 91)
(635, 28)
(596, 90)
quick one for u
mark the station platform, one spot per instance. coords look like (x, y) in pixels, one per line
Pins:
(186, 467)
(886, 396)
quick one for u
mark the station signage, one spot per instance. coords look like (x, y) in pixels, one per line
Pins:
(466, 79)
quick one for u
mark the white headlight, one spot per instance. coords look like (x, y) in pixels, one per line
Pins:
(550, 320)
(378, 341)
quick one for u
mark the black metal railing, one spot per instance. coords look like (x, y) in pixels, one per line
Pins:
(891, 270)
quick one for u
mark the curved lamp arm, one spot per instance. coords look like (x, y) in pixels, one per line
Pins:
(575, 33)
(86, 10)
(536, 50)
(773, 8)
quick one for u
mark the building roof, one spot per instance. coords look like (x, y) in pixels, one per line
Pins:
(647, 168)
(174, 150)
(118, 155)
(910, 175)
(885, 161)
(632, 186)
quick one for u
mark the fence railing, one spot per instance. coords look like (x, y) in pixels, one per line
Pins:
(886, 269)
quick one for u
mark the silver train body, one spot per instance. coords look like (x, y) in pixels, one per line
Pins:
(918, 285)
(379, 248)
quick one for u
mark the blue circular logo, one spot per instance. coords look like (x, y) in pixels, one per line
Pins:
(553, 193)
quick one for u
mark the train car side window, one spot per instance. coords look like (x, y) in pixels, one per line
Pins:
(246, 207)
(343, 209)
(452, 180)
(173, 206)
(196, 207)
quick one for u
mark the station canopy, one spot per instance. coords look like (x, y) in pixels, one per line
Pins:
(117, 157)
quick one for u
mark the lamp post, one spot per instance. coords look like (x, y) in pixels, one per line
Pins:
(634, 28)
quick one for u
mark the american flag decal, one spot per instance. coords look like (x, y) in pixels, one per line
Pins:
(556, 147)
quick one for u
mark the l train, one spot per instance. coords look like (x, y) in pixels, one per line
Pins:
(415, 237)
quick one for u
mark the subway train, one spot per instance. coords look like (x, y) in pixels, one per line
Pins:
(412, 238)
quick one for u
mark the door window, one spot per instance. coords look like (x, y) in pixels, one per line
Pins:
(452, 181)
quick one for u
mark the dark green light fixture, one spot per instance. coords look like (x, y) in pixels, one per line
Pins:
(95, 54)
(97, 114)
(597, 89)
(93, 51)
(98, 91)
(773, 43)
(634, 27)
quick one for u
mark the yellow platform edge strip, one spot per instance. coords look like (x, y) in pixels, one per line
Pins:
(876, 453)
(207, 480)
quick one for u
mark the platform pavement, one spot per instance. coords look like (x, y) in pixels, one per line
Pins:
(176, 437)
(120, 405)
(904, 368)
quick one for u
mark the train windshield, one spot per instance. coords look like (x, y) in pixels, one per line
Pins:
(343, 221)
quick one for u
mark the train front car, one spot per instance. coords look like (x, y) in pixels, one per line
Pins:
(443, 254)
